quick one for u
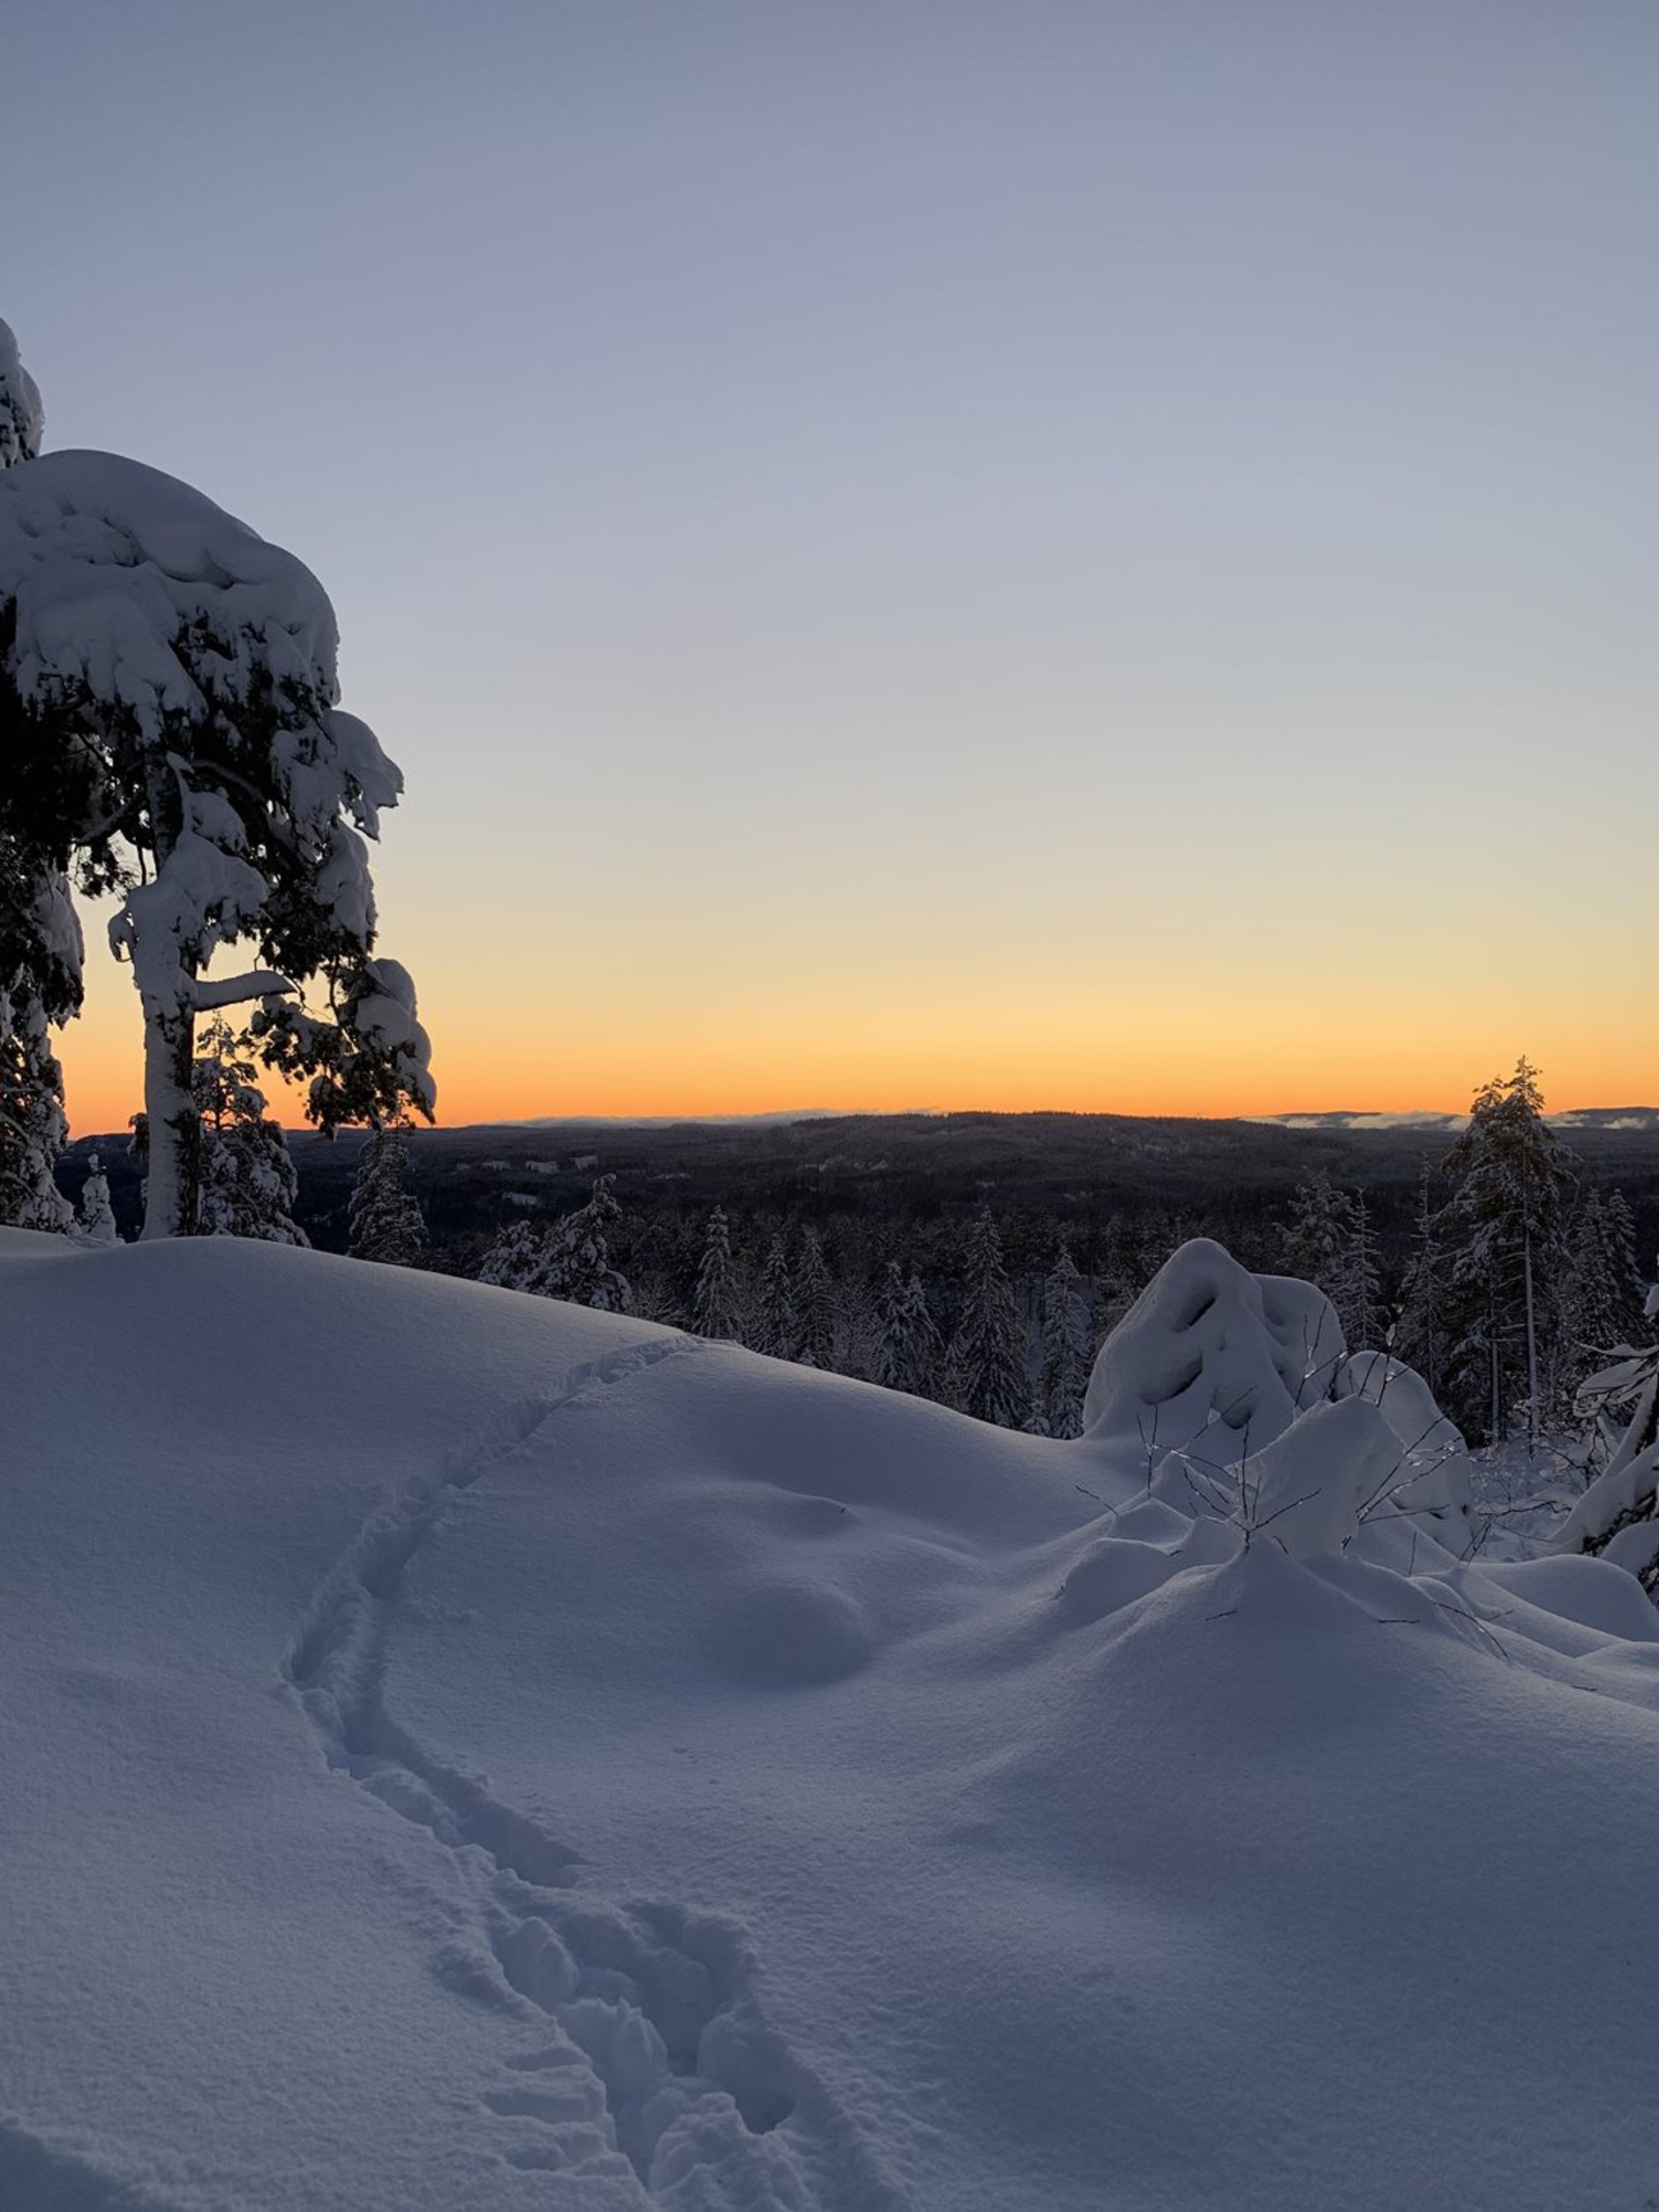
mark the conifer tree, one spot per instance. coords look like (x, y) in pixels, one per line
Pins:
(517, 1261)
(1067, 1348)
(578, 1264)
(1420, 1334)
(386, 1223)
(988, 1371)
(1318, 1237)
(95, 1217)
(1363, 1328)
(906, 1341)
(1619, 1513)
(717, 1308)
(40, 948)
(1628, 1287)
(1505, 1225)
(1329, 1242)
(814, 1306)
(1603, 1293)
(777, 1330)
(246, 1185)
(33, 1126)
(167, 707)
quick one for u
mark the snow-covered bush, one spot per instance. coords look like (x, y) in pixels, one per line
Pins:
(1233, 1397)
(1211, 1352)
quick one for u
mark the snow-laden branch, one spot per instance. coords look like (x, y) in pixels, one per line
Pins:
(236, 991)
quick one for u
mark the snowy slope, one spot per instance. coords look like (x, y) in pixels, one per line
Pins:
(467, 1752)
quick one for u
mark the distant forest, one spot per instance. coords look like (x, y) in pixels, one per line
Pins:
(874, 1193)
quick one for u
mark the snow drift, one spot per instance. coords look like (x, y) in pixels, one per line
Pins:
(466, 1750)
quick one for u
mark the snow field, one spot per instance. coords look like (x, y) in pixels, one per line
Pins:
(467, 1750)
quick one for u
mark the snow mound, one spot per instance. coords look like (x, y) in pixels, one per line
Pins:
(467, 1750)
(1207, 1345)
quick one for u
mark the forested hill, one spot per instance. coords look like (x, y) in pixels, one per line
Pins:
(1232, 1178)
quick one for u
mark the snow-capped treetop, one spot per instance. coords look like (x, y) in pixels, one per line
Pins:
(22, 416)
(112, 562)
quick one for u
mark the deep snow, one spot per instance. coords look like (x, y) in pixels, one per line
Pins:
(462, 1750)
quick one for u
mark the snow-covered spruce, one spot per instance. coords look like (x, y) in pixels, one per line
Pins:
(1618, 1516)
(169, 686)
(815, 1300)
(248, 1183)
(386, 1223)
(716, 1304)
(907, 1350)
(1066, 1349)
(777, 1330)
(94, 1217)
(569, 1260)
(32, 1125)
(989, 1377)
(1329, 1242)
(1505, 1227)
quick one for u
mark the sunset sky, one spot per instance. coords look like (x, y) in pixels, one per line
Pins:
(1081, 555)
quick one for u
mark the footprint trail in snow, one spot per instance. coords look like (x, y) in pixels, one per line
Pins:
(651, 2056)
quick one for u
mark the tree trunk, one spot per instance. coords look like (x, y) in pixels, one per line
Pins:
(171, 1199)
(165, 975)
(1532, 1350)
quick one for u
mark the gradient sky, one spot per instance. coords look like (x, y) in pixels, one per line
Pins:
(1080, 555)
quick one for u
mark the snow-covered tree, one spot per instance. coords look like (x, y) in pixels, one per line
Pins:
(167, 685)
(1618, 1516)
(570, 1260)
(1602, 1292)
(988, 1375)
(1067, 1348)
(22, 419)
(386, 1223)
(578, 1266)
(95, 1218)
(716, 1305)
(906, 1350)
(1360, 1310)
(517, 1261)
(1506, 1227)
(33, 1127)
(777, 1331)
(246, 1185)
(814, 1305)
(40, 937)
(1420, 1332)
(1329, 1242)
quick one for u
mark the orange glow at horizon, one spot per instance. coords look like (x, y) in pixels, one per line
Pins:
(1212, 1055)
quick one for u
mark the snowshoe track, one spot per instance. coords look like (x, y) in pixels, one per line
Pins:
(652, 2055)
